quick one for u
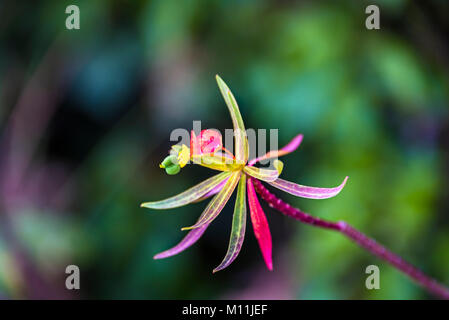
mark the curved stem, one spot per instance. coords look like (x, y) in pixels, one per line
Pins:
(358, 237)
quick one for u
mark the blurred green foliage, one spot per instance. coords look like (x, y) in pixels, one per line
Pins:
(371, 104)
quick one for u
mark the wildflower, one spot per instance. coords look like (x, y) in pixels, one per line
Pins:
(236, 172)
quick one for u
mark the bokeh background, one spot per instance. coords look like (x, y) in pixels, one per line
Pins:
(86, 117)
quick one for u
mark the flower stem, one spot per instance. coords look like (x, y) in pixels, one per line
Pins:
(358, 237)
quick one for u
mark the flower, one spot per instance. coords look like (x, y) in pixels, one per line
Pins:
(210, 141)
(236, 172)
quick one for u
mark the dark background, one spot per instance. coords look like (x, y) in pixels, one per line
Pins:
(86, 117)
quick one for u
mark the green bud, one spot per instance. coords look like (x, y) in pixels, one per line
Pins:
(173, 169)
(169, 161)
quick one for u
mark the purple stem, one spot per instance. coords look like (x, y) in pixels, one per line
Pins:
(362, 240)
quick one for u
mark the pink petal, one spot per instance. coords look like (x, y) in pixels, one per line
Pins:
(260, 225)
(307, 192)
(290, 147)
(185, 243)
(210, 141)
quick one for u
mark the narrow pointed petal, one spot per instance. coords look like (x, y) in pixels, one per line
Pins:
(238, 226)
(308, 192)
(213, 192)
(260, 225)
(185, 243)
(290, 147)
(241, 141)
(192, 236)
(189, 195)
(267, 175)
(214, 207)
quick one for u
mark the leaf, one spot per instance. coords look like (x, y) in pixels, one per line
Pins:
(214, 207)
(290, 147)
(189, 195)
(185, 243)
(238, 226)
(241, 141)
(308, 192)
(260, 225)
(267, 175)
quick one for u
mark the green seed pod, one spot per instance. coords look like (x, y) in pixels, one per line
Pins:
(173, 169)
(169, 161)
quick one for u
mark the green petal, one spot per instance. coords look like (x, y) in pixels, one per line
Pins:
(238, 226)
(241, 142)
(267, 175)
(189, 195)
(214, 207)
